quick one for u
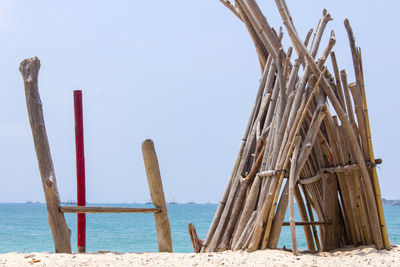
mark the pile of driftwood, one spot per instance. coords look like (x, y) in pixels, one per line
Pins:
(296, 149)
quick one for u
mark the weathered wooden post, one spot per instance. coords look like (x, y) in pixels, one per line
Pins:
(157, 196)
(331, 231)
(29, 69)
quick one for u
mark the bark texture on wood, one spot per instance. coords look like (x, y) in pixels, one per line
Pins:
(331, 212)
(29, 69)
(157, 196)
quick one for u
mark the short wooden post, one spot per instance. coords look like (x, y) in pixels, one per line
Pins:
(157, 196)
(29, 69)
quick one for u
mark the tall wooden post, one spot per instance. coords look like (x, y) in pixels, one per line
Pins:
(80, 170)
(29, 69)
(157, 196)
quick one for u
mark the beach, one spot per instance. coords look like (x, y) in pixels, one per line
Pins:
(349, 256)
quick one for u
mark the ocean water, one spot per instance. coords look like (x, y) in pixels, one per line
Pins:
(24, 228)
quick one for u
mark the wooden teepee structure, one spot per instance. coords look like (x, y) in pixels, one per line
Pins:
(295, 148)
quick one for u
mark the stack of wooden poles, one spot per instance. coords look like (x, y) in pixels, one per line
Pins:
(307, 140)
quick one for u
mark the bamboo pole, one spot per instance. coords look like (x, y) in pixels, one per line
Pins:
(220, 228)
(240, 199)
(304, 218)
(261, 51)
(29, 69)
(349, 131)
(157, 196)
(310, 212)
(279, 217)
(266, 28)
(345, 192)
(229, 5)
(244, 141)
(338, 81)
(262, 35)
(358, 190)
(372, 159)
(246, 232)
(267, 211)
(355, 91)
(251, 199)
(292, 182)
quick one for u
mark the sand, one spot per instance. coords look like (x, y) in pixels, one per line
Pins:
(361, 256)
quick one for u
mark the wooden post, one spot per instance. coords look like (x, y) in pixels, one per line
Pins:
(331, 211)
(292, 183)
(157, 196)
(80, 170)
(29, 69)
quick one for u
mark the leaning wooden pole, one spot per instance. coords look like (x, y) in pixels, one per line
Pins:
(358, 69)
(157, 196)
(292, 183)
(29, 69)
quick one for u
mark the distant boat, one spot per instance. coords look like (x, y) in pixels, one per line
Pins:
(69, 202)
(148, 203)
(191, 202)
(29, 202)
(173, 202)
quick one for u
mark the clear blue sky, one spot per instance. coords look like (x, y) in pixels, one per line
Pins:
(183, 73)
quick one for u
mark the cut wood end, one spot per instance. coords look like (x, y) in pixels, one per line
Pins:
(332, 38)
(324, 109)
(327, 15)
(28, 65)
(147, 143)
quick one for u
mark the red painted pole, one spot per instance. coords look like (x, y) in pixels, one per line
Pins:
(80, 169)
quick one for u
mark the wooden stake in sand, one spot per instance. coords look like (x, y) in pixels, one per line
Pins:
(157, 196)
(29, 69)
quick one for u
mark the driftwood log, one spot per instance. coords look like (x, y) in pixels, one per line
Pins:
(29, 69)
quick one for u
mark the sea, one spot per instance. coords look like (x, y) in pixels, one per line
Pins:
(24, 228)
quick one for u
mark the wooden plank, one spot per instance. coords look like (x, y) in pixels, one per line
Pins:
(29, 69)
(88, 209)
(157, 196)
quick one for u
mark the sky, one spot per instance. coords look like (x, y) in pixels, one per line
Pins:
(183, 73)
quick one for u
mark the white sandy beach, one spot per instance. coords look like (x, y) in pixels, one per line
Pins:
(361, 256)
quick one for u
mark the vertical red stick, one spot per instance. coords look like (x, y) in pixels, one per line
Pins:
(80, 169)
